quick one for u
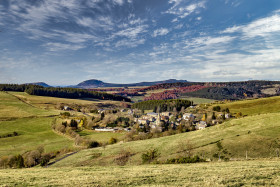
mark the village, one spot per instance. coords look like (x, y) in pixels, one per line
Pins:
(189, 119)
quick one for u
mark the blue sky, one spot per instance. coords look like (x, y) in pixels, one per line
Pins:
(64, 42)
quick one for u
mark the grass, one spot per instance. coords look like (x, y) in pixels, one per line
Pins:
(11, 107)
(101, 136)
(52, 102)
(255, 106)
(32, 133)
(241, 173)
(33, 125)
(258, 135)
(197, 100)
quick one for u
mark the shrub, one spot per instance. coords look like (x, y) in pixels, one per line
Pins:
(113, 140)
(45, 158)
(92, 144)
(150, 156)
(31, 158)
(184, 160)
(122, 158)
(217, 108)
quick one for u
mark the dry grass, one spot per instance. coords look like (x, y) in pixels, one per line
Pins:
(241, 173)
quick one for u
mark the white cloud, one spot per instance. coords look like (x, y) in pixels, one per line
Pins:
(54, 46)
(160, 32)
(181, 10)
(261, 27)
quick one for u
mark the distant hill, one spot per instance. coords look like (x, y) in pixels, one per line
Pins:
(40, 84)
(93, 83)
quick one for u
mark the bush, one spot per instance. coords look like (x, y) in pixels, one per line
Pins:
(150, 156)
(122, 158)
(184, 160)
(113, 140)
(93, 144)
(45, 159)
(217, 108)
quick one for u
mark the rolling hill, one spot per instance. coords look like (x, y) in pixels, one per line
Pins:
(93, 83)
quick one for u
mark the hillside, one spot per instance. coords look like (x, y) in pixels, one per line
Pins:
(258, 135)
(93, 83)
(39, 84)
(31, 123)
(254, 106)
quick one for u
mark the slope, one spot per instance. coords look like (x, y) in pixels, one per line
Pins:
(256, 135)
(31, 124)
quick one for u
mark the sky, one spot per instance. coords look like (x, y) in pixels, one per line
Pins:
(64, 42)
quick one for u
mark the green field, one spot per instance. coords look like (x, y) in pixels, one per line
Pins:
(52, 102)
(32, 133)
(31, 123)
(241, 173)
(255, 106)
(101, 136)
(12, 107)
(256, 135)
(197, 100)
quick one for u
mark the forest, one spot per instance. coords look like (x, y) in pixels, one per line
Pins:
(73, 93)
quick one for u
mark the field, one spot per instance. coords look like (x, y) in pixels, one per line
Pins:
(256, 135)
(52, 102)
(12, 107)
(32, 133)
(101, 136)
(197, 100)
(255, 106)
(32, 124)
(239, 173)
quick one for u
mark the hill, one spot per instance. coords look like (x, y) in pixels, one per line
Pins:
(40, 84)
(93, 83)
(257, 135)
(32, 125)
(252, 107)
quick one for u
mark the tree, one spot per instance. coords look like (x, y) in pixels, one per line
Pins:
(213, 116)
(102, 116)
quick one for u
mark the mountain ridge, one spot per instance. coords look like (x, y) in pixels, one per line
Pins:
(94, 83)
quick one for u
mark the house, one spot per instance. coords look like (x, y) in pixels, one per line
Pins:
(105, 130)
(143, 121)
(201, 125)
(67, 108)
(215, 122)
(227, 115)
(188, 116)
(167, 114)
(153, 114)
(130, 111)
(100, 111)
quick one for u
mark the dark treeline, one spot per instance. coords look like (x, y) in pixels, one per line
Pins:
(17, 87)
(163, 105)
(73, 93)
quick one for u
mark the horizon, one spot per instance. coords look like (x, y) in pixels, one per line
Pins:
(130, 41)
(140, 82)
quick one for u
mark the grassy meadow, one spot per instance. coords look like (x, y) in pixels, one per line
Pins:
(52, 102)
(32, 133)
(254, 106)
(32, 124)
(197, 100)
(238, 173)
(102, 137)
(12, 107)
